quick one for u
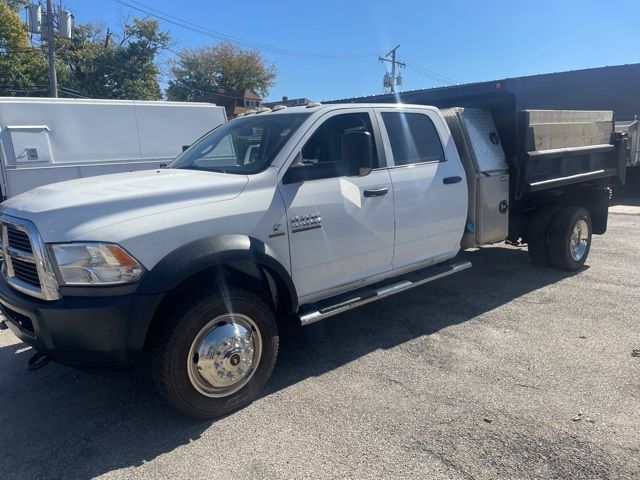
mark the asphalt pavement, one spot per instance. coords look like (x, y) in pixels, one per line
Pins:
(502, 371)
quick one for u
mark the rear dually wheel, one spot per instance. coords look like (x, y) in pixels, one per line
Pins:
(570, 238)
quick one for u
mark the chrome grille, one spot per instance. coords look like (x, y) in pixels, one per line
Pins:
(26, 271)
(26, 266)
(19, 239)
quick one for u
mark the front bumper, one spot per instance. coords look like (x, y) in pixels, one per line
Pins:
(101, 330)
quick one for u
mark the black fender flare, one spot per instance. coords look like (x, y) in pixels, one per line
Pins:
(205, 253)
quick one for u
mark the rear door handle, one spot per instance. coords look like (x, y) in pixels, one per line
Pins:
(376, 192)
(451, 180)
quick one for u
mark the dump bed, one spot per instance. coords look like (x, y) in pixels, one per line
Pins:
(561, 150)
(561, 147)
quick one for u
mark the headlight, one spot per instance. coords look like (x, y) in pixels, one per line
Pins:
(95, 264)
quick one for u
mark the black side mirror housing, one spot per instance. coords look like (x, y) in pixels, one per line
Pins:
(184, 147)
(357, 150)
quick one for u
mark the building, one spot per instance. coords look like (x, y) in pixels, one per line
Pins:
(614, 88)
(234, 103)
(287, 102)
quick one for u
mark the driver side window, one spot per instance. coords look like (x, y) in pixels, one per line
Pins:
(325, 150)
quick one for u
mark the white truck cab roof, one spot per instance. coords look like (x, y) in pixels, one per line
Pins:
(323, 108)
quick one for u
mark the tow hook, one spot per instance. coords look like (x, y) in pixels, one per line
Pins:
(3, 325)
(38, 361)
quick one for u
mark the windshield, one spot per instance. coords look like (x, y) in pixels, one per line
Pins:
(244, 145)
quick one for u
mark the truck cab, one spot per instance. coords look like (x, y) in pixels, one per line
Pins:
(299, 213)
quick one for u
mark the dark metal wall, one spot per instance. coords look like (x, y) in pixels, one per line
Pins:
(614, 88)
(607, 88)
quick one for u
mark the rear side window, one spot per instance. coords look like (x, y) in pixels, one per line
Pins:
(413, 138)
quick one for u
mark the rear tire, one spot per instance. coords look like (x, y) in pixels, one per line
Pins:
(538, 236)
(570, 238)
(216, 354)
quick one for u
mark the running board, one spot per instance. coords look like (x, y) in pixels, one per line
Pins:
(342, 303)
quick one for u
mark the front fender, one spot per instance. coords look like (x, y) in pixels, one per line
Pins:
(205, 253)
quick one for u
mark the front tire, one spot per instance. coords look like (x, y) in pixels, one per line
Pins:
(216, 354)
(570, 238)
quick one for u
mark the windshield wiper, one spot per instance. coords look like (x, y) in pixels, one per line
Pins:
(206, 169)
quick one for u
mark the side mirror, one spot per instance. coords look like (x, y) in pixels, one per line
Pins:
(184, 147)
(357, 149)
(299, 172)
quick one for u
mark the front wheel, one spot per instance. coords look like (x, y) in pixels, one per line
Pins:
(570, 238)
(217, 354)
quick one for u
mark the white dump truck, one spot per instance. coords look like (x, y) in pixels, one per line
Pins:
(45, 140)
(298, 213)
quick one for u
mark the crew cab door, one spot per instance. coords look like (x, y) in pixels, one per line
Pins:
(429, 186)
(340, 223)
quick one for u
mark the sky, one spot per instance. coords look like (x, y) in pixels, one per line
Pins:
(326, 50)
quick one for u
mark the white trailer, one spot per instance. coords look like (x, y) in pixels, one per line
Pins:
(45, 140)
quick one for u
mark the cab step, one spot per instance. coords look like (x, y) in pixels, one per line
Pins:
(314, 312)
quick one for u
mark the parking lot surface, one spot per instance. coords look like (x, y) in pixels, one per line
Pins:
(502, 371)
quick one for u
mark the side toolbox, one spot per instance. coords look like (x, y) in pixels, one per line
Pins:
(486, 168)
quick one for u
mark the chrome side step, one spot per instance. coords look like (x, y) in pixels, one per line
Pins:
(371, 294)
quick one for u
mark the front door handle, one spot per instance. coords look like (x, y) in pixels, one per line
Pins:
(376, 192)
(451, 180)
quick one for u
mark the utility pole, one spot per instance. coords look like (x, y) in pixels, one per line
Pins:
(45, 25)
(393, 81)
(53, 78)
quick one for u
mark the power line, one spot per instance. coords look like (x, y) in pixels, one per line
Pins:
(141, 7)
(431, 77)
(38, 88)
(23, 89)
(428, 73)
(73, 93)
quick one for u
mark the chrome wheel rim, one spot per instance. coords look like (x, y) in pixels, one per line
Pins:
(224, 355)
(579, 240)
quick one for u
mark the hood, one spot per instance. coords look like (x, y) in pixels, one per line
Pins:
(66, 210)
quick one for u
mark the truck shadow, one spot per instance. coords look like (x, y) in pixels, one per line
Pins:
(58, 422)
(498, 276)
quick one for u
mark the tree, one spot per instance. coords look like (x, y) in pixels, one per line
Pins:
(224, 67)
(93, 63)
(23, 68)
(100, 66)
